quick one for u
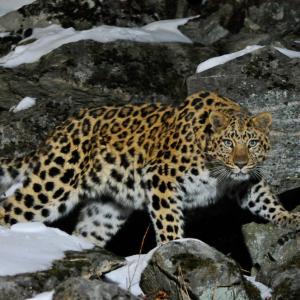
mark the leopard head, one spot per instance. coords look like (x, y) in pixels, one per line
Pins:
(238, 144)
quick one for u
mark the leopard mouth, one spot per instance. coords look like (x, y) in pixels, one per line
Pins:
(240, 176)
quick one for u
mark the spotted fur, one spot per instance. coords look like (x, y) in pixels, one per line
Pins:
(116, 159)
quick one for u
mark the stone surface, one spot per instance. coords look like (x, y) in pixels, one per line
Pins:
(190, 269)
(274, 16)
(209, 30)
(276, 258)
(84, 289)
(264, 80)
(269, 245)
(284, 279)
(89, 264)
(86, 14)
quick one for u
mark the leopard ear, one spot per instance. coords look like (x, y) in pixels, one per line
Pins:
(262, 121)
(218, 120)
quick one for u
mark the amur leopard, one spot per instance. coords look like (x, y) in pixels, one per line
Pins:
(161, 158)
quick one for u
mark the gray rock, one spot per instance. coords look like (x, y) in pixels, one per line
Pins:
(86, 14)
(10, 289)
(269, 245)
(276, 258)
(264, 80)
(191, 269)
(83, 15)
(278, 18)
(84, 289)
(284, 279)
(207, 31)
(89, 264)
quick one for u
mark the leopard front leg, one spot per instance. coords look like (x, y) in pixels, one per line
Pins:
(262, 202)
(164, 205)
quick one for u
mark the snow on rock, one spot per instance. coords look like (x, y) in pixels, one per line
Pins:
(128, 277)
(7, 6)
(43, 296)
(54, 36)
(31, 247)
(25, 103)
(219, 60)
(289, 53)
(4, 34)
(265, 292)
(166, 30)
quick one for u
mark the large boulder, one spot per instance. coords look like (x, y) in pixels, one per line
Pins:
(190, 269)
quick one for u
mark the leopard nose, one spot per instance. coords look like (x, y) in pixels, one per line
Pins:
(240, 164)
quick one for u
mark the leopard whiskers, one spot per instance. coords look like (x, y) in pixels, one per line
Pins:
(256, 173)
(219, 171)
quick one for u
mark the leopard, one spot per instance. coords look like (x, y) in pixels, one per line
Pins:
(161, 158)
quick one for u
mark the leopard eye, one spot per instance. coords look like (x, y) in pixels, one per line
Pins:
(253, 143)
(228, 143)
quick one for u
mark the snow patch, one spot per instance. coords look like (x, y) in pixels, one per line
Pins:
(4, 34)
(7, 6)
(25, 103)
(49, 38)
(128, 277)
(31, 247)
(168, 28)
(265, 292)
(43, 296)
(219, 60)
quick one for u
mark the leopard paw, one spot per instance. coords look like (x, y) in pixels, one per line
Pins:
(288, 220)
(294, 221)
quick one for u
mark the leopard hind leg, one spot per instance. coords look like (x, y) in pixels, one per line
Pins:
(100, 220)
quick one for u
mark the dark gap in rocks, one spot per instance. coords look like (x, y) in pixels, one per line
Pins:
(236, 22)
(219, 225)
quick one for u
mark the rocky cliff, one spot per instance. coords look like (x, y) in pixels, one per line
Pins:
(86, 73)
